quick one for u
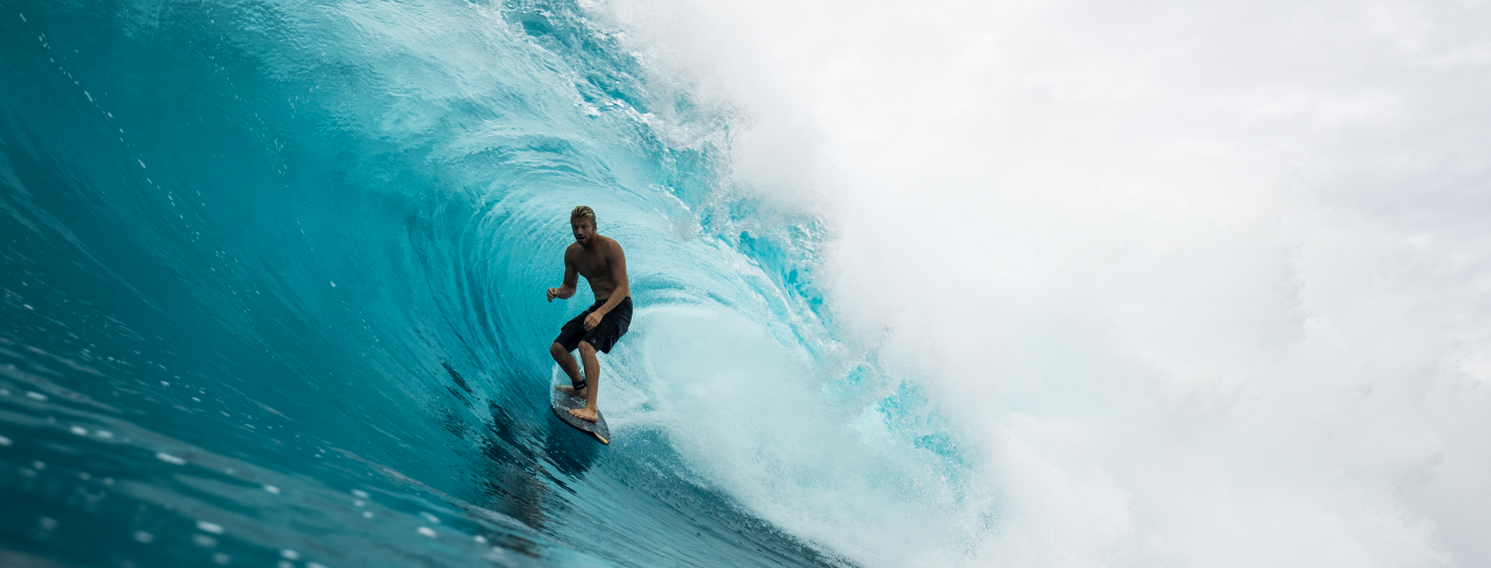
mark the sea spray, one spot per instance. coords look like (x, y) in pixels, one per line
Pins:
(1196, 285)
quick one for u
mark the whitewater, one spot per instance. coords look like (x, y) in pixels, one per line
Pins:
(957, 284)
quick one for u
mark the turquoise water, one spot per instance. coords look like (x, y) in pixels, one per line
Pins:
(273, 292)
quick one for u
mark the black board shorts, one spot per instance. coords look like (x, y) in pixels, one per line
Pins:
(603, 337)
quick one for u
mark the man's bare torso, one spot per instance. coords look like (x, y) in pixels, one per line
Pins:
(595, 265)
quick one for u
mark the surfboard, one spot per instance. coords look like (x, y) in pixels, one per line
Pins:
(562, 403)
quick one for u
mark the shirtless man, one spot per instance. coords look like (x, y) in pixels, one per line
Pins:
(603, 264)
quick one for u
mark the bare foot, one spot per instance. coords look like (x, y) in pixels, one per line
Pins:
(570, 391)
(585, 414)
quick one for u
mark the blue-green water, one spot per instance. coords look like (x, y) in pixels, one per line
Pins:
(274, 277)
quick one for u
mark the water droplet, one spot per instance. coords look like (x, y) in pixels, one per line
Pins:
(288, 554)
(272, 489)
(207, 527)
(427, 531)
(36, 395)
(360, 493)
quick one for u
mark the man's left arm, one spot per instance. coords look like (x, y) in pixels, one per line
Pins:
(623, 287)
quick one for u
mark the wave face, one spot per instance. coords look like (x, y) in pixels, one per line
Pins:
(274, 278)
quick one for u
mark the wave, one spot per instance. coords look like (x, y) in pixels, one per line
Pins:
(970, 285)
(275, 274)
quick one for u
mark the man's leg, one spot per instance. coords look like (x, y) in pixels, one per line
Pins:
(593, 378)
(567, 362)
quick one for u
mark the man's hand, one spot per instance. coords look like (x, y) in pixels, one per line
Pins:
(553, 293)
(592, 320)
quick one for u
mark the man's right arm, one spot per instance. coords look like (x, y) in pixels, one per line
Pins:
(571, 279)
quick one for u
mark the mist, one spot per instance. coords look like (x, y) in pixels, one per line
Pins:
(1196, 284)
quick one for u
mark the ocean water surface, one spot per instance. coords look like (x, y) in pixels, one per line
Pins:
(971, 284)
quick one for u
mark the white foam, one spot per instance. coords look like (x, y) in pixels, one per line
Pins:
(746, 412)
(1188, 292)
(170, 459)
(426, 531)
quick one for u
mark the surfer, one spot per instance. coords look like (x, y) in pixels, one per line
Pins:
(601, 261)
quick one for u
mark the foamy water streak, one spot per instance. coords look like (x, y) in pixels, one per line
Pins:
(1200, 285)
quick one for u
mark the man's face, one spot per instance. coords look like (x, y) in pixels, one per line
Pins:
(583, 229)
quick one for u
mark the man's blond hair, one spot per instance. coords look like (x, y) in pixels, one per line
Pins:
(582, 212)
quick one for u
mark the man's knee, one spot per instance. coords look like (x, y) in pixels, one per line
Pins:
(557, 350)
(586, 349)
